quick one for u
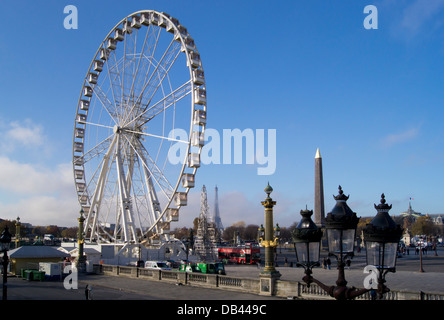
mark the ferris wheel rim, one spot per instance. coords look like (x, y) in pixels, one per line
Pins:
(193, 87)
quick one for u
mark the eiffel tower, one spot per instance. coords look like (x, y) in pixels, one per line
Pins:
(205, 244)
(217, 220)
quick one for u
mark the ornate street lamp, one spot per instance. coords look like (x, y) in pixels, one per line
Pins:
(269, 240)
(270, 235)
(381, 238)
(261, 232)
(81, 258)
(277, 231)
(341, 225)
(307, 238)
(17, 232)
(5, 241)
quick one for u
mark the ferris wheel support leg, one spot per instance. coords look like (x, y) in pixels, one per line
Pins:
(152, 196)
(98, 194)
(125, 212)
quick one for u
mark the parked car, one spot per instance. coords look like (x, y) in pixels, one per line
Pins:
(157, 265)
(189, 267)
(213, 268)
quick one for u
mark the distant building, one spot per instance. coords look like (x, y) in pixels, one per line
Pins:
(29, 257)
(436, 218)
(410, 212)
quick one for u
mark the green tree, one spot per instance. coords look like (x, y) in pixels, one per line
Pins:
(423, 226)
(10, 224)
(70, 232)
(180, 233)
(250, 232)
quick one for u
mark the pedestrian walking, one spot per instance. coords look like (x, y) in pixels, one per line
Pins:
(373, 294)
(328, 264)
(88, 292)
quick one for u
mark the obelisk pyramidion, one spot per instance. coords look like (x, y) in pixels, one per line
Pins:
(319, 212)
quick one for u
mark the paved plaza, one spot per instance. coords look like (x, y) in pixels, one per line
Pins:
(406, 278)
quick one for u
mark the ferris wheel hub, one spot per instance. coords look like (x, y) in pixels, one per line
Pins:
(117, 129)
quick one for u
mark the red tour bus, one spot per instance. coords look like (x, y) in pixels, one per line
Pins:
(250, 253)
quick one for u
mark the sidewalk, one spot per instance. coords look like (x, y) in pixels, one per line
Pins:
(119, 288)
(166, 291)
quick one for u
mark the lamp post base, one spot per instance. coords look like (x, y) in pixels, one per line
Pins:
(268, 282)
(81, 264)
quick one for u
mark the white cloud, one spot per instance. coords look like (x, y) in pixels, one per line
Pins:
(39, 192)
(420, 12)
(26, 133)
(43, 210)
(20, 136)
(396, 138)
(38, 195)
(29, 179)
(416, 19)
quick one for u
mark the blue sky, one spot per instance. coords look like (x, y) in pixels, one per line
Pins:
(371, 100)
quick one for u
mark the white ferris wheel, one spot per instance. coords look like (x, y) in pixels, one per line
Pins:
(144, 86)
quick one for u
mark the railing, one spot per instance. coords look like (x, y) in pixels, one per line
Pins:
(431, 296)
(283, 288)
(230, 282)
(196, 277)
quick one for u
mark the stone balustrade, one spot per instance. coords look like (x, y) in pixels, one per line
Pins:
(284, 289)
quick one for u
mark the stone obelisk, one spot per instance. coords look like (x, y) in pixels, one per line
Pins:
(319, 211)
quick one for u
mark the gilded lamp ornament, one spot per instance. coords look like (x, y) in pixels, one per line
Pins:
(273, 240)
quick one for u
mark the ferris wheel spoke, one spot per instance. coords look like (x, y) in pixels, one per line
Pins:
(141, 55)
(96, 150)
(163, 104)
(122, 97)
(137, 194)
(95, 124)
(135, 103)
(155, 136)
(154, 171)
(150, 56)
(161, 75)
(152, 199)
(107, 105)
(162, 66)
(116, 77)
(145, 196)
